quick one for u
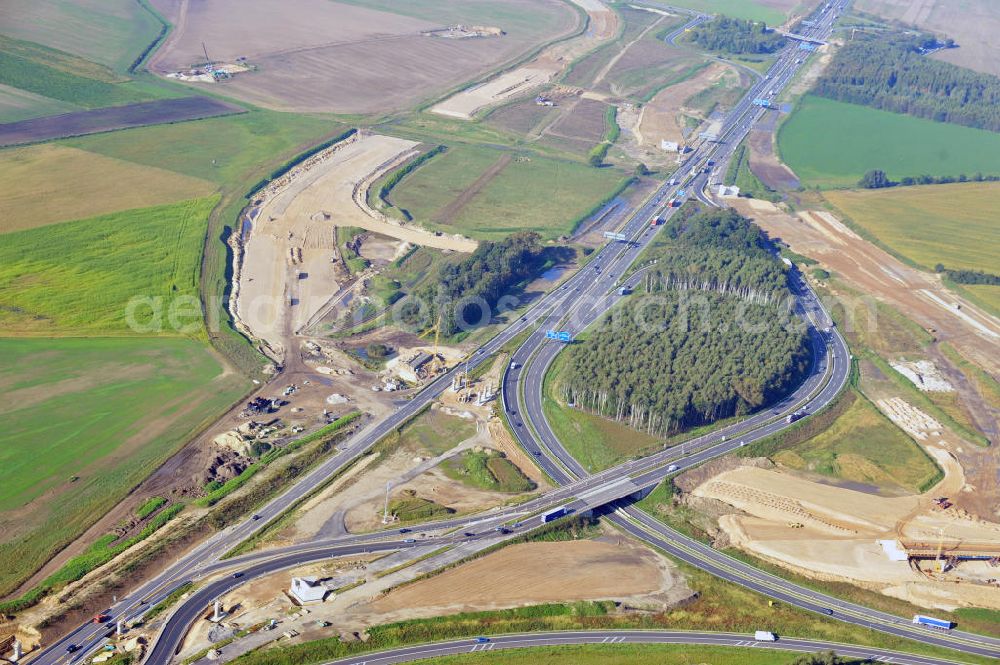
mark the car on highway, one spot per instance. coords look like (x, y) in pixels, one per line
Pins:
(468, 534)
(672, 467)
(404, 530)
(827, 611)
(410, 540)
(255, 518)
(70, 648)
(482, 640)
(237, 576)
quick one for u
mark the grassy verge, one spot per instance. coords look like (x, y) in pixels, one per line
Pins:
(625, 654)
(987, 386)
(150, 507)
(921, 401)
(168, 602)
(102, 551)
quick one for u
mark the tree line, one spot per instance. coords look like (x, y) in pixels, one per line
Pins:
(968, 276)
(878, 179)
(461, 288)
(890, 72)
(708, 334)
(734, 35)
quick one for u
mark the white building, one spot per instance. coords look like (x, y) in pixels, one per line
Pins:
(307, 590)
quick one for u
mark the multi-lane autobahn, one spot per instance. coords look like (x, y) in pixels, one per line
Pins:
(577, 303)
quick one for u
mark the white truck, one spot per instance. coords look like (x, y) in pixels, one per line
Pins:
(765, 636)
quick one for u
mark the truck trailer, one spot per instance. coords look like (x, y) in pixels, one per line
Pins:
(922, 620)
(554, 514)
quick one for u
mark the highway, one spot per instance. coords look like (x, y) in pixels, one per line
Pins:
(523, 387)
(616, 637)
(578, 302)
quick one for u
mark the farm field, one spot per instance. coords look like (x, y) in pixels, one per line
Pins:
(224, 150)
(648, 66)
(772, 12)
(117, 117)
(863, 446)
(45, 184)
(108, 32)
(61, 76)
(955, 225)
(371, 59)
(974, 28)
(584, 70)
(87, 420)
(17, 105)
(482, 192)
(78, 277)
(831, 144)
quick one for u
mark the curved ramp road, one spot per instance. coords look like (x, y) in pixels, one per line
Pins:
(612, 637)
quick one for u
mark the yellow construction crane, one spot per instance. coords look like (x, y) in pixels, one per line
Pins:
(437, 334)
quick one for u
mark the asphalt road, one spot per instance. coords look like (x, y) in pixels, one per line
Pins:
(585, 296)
(613, 637)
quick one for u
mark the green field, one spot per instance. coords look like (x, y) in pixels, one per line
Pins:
(832, 144)
(864, 446)
(50, 183)
(487, 470)
(955, 225)
(224, 150)
(748, 9)
(80, 277)
(530, 192)
(17, 105)
(628, 654)
(67, 78)
(597, 443)
(86, 420)
(435, 432)
(109, 32)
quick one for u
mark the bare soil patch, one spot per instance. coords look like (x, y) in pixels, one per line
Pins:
(287, 275)
(535, 73)
(533, 573)
(362, 60)
(834, 533)
(113, 118)
(764, 161)
(919, 295)
(584, 122)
